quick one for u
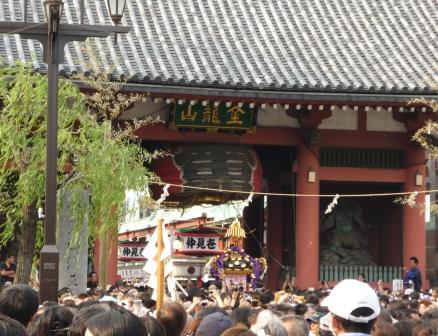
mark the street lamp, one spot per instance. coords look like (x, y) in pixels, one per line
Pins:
(116, 9)
(53, 37)
(53, 9)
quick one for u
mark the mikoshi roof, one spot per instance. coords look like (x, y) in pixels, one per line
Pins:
(336, 46)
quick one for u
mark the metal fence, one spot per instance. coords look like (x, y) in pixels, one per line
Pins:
(372, 273)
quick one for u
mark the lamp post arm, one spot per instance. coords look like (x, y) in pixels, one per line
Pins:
(66, 33)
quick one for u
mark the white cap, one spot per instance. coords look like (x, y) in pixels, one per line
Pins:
(349, 295)
(107, 298)
(409, 291)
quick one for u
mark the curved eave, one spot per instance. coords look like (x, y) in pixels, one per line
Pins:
(188, 92)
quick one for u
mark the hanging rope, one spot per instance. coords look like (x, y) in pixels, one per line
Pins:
(402, 193)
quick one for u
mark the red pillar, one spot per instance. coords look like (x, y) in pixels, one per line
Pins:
(274, 236)
(307, 218)
(414, 234)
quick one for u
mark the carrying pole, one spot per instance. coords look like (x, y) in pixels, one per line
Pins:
(160, 263)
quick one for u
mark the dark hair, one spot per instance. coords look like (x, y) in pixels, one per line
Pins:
(62, 291)
(210, 310)
(9, 254)
(383, 328)
(414, 296)
(218, 284)
(284, 309)
(19, 302)
(414, 259)
(401, 314)
(146, 299)
(69, 303)
(384, 299)
(360, 327)
(173, 317)
(295, 325)
(423, 329)
(431, 314)
(238, 331)
(241, 315)
(53, 321)
(384, 315)
(153, 326)
(323, 332)
(300, 309)
(78, 325)
(312, 298)
(266, 296)
(115, 323)
(413, 305)
(112, 288)
(405, 327)
(87, 304)
(197, 293)
(96, 292)
(47, 304)
(11, 327)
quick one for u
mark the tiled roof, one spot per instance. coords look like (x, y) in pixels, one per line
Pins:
(370, 46)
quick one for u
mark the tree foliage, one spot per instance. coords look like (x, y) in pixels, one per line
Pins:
(427, 136)
(92, 156)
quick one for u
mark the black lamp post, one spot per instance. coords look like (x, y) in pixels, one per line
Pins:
(53, 35)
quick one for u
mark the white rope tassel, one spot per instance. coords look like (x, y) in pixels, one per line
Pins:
(332, 204)
(411, 199)
(164, 195)
(248, 200)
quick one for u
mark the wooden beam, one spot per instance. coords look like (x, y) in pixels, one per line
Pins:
(281, 136)
(346, 174)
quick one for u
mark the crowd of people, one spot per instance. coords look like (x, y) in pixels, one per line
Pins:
(219, 308)
(352, 306)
